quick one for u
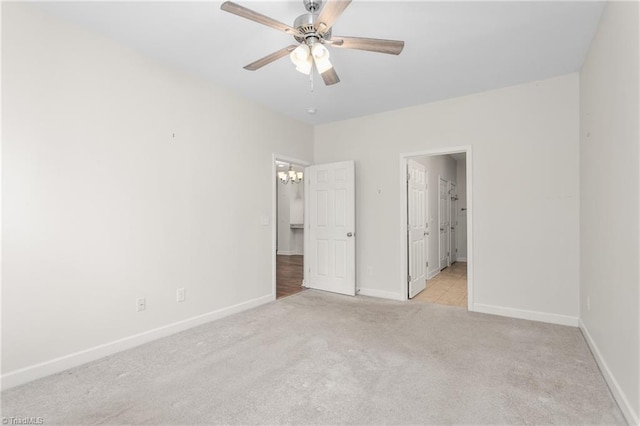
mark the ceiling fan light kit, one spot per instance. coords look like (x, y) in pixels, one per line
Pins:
(312, 31)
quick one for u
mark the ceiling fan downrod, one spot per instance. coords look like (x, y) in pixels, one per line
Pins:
(312, 6)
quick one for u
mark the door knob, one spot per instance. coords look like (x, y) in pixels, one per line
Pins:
(349, 234)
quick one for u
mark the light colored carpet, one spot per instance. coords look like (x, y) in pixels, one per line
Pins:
(320, 358)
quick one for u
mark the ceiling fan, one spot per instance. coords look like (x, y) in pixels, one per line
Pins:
(312, 31)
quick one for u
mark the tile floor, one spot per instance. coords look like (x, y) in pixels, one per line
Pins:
(449, 287)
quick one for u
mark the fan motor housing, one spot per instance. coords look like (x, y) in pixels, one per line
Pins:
(304, 23)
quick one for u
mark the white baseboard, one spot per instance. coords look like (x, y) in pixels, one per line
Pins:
(461, 259)
(289, 253)
(431, 274)
(381, 294)
(620, 397)
(525, 314)
(43, 369)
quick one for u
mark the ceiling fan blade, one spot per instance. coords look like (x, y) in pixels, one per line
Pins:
(243, 12)
(330, 77)
(332, 42)
(392, 47)
(270, 58)
(329, 13)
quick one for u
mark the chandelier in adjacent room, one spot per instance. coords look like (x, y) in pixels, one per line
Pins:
(290, 176)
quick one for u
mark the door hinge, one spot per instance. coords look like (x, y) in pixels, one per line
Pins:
(408, 278)
(427, 264)
(408, 176)
(309, 270)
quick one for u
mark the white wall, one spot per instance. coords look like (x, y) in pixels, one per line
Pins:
(290, 240)
(103, 205)
(437, 166)
(609, 220)
(525, 175)
(461, 175)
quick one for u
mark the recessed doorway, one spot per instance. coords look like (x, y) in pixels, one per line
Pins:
(289, 235)
(436, 227)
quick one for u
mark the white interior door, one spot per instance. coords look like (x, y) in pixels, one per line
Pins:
(330, 240)
(443, 220)
(417, 226)
(454, 223)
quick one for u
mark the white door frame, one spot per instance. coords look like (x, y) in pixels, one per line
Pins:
(404, 285)
(274, 211)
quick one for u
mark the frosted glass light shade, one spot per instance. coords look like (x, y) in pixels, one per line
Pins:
(306, 66)
(321, 57)
(319, 52)
(299, 54)
(323, 65)
(301, 57)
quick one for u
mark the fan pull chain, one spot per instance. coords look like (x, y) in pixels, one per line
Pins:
(311, 80)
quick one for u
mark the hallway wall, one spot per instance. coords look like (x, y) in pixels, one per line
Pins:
(290, 209)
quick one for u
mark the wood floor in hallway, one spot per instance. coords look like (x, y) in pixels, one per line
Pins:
(449, 287)
(289, 275)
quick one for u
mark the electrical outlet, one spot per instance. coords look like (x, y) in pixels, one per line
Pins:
(180, 295)
(141, 304)
(588, 303)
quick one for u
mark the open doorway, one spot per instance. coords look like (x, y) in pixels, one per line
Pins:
(436, 240)
(289, 244)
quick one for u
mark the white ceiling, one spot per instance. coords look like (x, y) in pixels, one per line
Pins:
(452, 48)
(284, 166)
